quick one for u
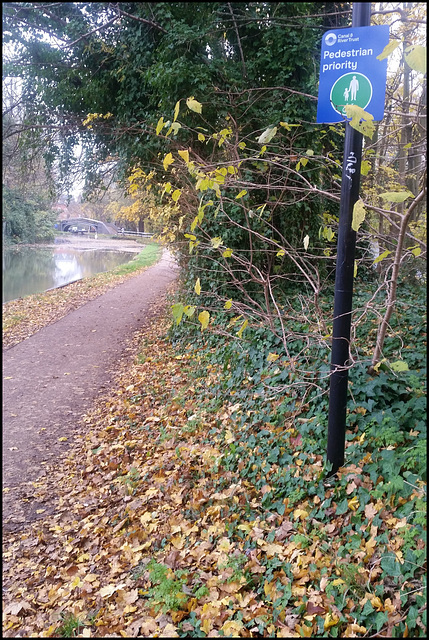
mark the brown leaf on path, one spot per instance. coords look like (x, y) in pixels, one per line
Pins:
(314, 608)
(286, 528)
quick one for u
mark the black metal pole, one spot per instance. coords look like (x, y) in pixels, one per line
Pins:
(344, 279)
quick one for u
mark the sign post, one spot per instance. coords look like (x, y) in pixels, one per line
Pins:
(349, 74)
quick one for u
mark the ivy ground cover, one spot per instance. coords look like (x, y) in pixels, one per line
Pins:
(198, 505)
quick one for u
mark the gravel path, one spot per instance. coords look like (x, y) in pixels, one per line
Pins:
(51, 378)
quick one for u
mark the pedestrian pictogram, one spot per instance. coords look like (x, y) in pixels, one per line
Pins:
(350, 73)
(351, 88)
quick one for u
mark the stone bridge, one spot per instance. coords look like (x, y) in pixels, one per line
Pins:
(86, 225)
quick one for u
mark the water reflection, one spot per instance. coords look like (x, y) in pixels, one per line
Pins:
(28, 270)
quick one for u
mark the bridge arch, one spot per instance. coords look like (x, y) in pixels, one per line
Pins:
(89, 224)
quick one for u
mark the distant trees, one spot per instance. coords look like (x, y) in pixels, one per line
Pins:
(27, 185)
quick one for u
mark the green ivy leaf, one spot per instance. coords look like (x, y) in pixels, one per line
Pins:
(391, 566)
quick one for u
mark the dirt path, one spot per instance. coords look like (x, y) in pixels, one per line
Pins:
(50, 379)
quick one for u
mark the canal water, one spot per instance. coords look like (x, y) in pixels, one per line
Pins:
(28, 270)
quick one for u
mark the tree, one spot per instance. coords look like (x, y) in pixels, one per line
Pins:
(216, 103)
(125, 62)
(27, 185)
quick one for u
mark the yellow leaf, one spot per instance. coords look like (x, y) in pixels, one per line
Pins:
(193, 105)
(396, 196)
(242, 328)
(300, 513)
(353, 504)
(361, 120)
(272, 549)
(177, 542)
(227, 253)
(353, 629)
(267, 135)
(370, 548)
(388, 49)
(168, 160)
(415, 57)
(184, 155)
(201, 137)
(204, 318)
(337, 581)
(197, 287)
(228, 304)
(216, 242)
(377, 603)
(359, 213)
(63, 439)
(229, 437)
(224, 545)
(355, 269)
(160, 125)
(330, 621)
(206, 626)
(176, 195)
(382, 256)
(232, 628)
(272, 357)
(241, 194)
(365, 168)
(176, 111)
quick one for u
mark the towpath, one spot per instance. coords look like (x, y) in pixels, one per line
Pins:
(51, 378)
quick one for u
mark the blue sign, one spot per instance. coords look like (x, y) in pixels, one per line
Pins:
(350, 73)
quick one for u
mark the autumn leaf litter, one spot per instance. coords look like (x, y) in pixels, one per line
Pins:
(154, 538)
